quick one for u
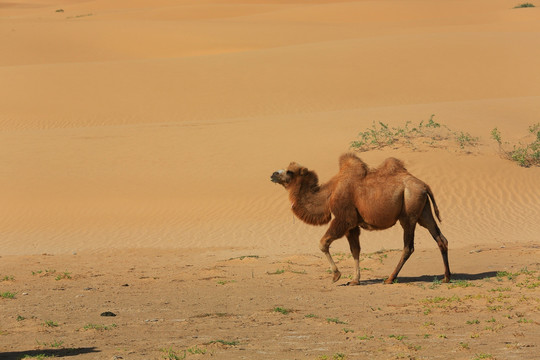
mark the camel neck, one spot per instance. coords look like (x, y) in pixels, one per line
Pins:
(311, 205)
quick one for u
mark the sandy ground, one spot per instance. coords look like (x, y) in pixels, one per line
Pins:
(203, 304)
(136, 143)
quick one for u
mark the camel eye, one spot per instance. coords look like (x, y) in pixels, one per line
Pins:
(290, 173)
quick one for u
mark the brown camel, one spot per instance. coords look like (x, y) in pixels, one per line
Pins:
(359, 197)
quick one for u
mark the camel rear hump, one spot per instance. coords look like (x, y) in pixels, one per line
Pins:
(391, 166)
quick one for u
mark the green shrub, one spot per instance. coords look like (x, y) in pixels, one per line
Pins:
(525, 155)
(524, 5)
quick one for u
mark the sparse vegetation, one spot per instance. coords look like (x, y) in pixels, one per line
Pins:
(441, 299)
(99, 327)
(196, 350)
(50, 323)
(46, 272)
(64, 275)
(397, 337)
(524, 5)
(282, 271)
(365, 337)
(465, 139)
(79, 16)
(435, 283)
(217, 314)
(282, 310)
(434, 134)
(336, 356)
(430, 133)
(224, 282)
(277, 272)
(457, 315)
(7, 278)
(171, 354)
(37, 356)
(224, 342)
(55, 344)
(482, 356)
(509, 275)
(336, 321)
(7, 295)
(524, 154)
(245, 257)
(459, 283)
(501, 289)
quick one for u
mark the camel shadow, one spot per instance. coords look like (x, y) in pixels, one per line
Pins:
(431, 278)
(16, 355)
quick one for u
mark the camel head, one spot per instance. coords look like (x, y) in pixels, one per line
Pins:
(291, 175)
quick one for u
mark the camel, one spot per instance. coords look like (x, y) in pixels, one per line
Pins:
(360, 197)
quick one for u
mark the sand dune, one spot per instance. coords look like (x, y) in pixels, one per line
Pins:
(131, 124)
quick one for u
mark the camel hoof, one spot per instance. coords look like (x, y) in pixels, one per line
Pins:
(389, 281)
(353, 283)
(337, 275)
(446, 279)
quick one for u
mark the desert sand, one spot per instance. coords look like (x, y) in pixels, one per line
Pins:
(137, 140)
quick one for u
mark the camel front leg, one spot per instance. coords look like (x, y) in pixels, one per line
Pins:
(335, 231)
(353, 236)
(325, 248)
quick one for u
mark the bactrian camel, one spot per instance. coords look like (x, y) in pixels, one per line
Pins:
(360, 197)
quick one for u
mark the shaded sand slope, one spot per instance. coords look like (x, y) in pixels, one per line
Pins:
(137, 124)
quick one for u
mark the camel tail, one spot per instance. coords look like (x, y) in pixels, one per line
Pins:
(432, 198)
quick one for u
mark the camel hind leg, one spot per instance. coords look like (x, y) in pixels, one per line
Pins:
(408, 248)
(426, 220)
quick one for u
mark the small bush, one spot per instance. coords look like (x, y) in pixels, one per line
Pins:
(282, 310)
(525, 155)
(524, 5)
(7, 295)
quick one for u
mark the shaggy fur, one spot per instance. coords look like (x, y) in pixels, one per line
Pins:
(360, 197)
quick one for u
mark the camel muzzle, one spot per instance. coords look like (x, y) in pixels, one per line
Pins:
(276, 177)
